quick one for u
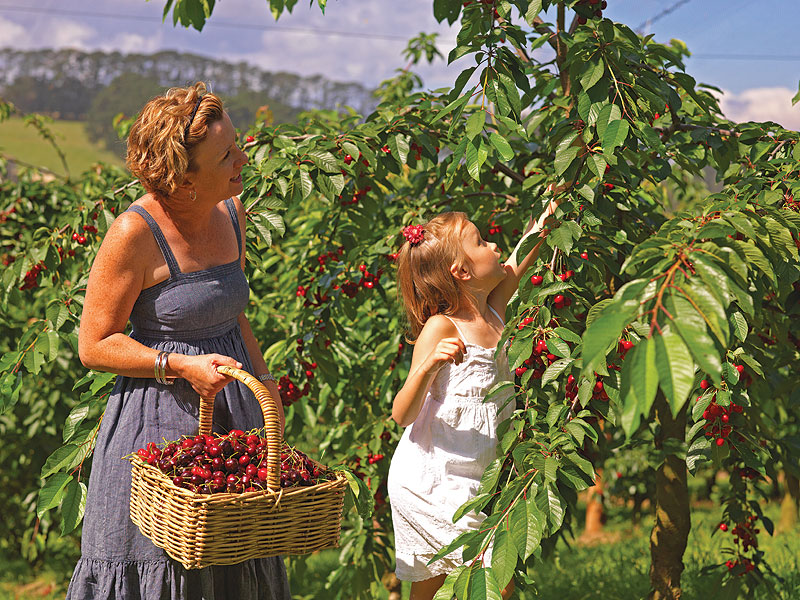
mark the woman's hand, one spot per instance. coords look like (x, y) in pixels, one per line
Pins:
(201, 371)
(448, 350)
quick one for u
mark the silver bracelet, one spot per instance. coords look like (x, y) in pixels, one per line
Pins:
(266, 377)
(161, 368)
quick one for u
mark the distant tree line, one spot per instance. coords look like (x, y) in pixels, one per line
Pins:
(95, 86)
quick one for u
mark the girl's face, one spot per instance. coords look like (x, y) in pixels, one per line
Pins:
(218, 162)
(485, 266)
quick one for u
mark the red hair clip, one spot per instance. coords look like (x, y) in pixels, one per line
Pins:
(414, 234)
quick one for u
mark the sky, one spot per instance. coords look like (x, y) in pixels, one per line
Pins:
(745, 48)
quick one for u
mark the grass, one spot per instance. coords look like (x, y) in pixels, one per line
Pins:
(24, 143)
(613, 566)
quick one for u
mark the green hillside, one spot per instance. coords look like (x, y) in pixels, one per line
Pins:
(24, 144)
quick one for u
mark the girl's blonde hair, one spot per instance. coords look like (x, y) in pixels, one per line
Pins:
(425, 283)
(160, 145)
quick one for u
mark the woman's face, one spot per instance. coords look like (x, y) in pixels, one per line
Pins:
(218, 162)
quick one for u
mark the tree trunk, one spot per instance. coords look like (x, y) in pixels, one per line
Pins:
(789, 504)
(595, 516)
(673, 521)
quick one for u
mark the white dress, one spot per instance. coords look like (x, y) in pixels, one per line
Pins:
(440, 459)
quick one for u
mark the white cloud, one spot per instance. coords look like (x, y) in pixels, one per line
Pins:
(762, 104)
(62, 33)
(13, 35)
(133, 43)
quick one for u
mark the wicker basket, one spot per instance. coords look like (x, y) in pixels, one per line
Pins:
(199, 530)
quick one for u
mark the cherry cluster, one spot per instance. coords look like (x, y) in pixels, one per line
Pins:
(31, 279)
(494, 228)
(290, 393)
(744, 534)
(539, 360)
(588, 9)
(718, 417)
(417, 150)
(231, 463)
(745, 562)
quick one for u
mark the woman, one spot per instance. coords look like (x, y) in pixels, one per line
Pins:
(172, 266)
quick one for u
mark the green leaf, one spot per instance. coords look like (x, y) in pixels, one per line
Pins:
(504, 556)
(555, 369)
(710, 308)
(57, 313)
(561, 237)
(639, 384)
(457, 103)
(551, 504)
(475, 124)
(59, 459)
(675, 369)
(738, 324)
(359, 494)
(51, 493)
(607, 326)
(691, 327)
(325, 160)
(565, 154)
(477, 583)
(446, 591)
(526, 527)
(609, 112)
(534, 7)
(614, 135)
(597, 164)
(476, 156)
(306, 183)
(592, 73)
(72, 506)
(502, 146)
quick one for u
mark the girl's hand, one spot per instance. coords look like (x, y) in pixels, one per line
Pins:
(448, 350)
(201, 372)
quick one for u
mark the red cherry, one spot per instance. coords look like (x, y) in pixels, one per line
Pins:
(250, 138)
(536, 280)
(704, 384)
(348, 159)
(740, 368)
(584, 255)
(559, 299)
(723, 527)
(720, 441)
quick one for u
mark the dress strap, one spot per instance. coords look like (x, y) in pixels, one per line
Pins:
(461, 333)
(169, 257)
(235, 218)
(499, 318)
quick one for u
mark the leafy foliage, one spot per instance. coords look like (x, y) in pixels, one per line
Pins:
(635, 302)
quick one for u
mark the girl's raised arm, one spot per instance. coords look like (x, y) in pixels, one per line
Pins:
(515, 267)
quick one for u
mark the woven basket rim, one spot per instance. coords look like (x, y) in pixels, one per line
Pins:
(164, 480)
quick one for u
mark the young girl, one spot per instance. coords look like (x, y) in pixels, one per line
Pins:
(455, 291)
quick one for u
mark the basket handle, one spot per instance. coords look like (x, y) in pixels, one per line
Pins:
(271, 420)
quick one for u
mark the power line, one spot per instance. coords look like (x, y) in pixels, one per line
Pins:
(210, 23)
(661, 15)
(351, 34)
(784, 57)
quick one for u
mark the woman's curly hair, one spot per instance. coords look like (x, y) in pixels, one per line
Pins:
(160, 145)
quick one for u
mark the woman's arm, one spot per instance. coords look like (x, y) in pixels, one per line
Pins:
(115, 281)
(436, 345)
(250, 341)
